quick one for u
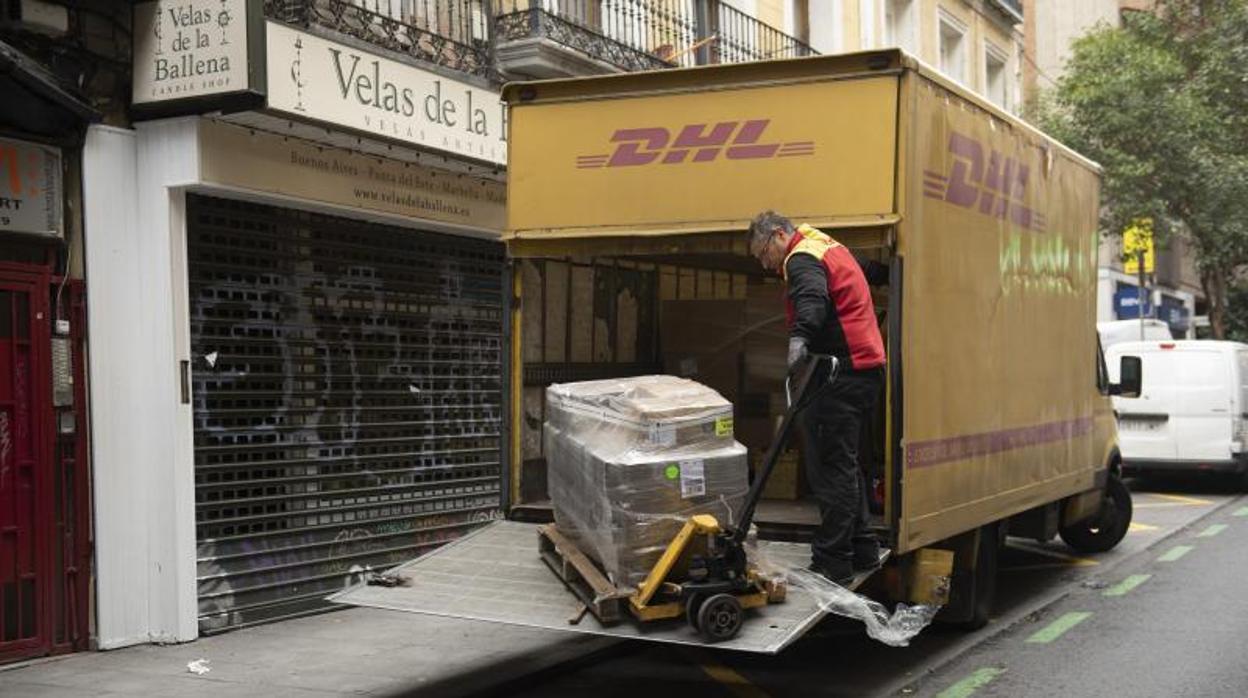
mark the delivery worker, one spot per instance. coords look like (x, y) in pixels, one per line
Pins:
(830, 312)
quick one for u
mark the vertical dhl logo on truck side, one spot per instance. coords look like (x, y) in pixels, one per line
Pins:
(736, 140)
(997, 190)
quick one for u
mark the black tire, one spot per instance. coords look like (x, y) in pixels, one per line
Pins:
(692, 605)
(984, 591)
(720, 618)
(1105, 530)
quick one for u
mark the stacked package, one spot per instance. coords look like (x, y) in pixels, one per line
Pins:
(630, 460)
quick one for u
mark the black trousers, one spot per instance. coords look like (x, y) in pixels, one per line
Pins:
(831, 428)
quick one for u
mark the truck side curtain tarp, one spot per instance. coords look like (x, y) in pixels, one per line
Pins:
(999, 236)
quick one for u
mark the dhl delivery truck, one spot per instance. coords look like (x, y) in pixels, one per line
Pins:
(629, 198)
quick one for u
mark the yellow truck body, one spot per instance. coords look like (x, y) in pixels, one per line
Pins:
(996, 401)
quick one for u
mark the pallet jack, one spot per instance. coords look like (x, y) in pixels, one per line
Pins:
(704, 574)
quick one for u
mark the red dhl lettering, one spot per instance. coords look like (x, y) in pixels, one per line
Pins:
(997, 190)
(735, 140)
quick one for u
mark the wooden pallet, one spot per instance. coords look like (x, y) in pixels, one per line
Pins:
(582, 576)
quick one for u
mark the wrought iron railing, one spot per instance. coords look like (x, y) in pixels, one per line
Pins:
(647, 34)
(449, 33)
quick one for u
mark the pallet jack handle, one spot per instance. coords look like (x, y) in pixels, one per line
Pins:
(797, 401)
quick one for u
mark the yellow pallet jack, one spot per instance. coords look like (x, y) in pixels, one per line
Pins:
(704, 573)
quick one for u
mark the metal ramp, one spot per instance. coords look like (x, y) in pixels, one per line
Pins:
(495, 574)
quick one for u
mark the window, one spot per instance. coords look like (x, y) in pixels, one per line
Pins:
(996, 88)
(953, 48)
(1102, 371)
(899, 24)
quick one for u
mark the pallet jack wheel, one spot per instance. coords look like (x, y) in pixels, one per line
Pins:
(692, 606)
(720, 618)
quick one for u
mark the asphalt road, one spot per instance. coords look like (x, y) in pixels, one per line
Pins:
(1172, 622)
(1189, 607)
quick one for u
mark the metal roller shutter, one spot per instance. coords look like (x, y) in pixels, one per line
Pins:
(347, 397)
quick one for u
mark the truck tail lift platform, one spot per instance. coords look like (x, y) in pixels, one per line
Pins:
(704, 576)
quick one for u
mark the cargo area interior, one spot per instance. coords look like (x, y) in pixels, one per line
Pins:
(711, 316)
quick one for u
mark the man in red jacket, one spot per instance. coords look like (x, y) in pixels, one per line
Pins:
(830, 312)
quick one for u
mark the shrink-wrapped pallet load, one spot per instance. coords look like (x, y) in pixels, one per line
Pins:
(630, 459)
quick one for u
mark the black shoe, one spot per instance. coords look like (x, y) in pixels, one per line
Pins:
(839, 572)
(866, 556)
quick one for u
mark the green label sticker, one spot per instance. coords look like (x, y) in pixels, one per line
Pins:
(672, 472)
(723, 426)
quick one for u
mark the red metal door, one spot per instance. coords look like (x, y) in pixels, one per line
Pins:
(26, 525)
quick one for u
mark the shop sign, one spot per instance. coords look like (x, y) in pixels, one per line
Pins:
(239, 158)
(1127, 303)
(314, 78)
(1174, 313)
(30, 188)
(190, 48)
(1137, 238)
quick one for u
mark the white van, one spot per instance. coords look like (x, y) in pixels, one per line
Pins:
(1118, 331)
(1192, 413)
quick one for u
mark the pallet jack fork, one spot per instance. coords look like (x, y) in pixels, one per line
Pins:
(704, 573)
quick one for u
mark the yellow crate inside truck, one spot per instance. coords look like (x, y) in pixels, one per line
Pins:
(628, 201)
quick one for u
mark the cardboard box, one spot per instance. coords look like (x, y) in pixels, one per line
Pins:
(630, 459)
(701, 340)
(786, 478)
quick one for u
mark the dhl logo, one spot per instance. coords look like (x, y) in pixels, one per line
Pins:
(736, 140)
(999, 189)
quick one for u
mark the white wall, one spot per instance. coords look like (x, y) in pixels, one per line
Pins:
(142, 460)
(1057, 23)
(826, 20)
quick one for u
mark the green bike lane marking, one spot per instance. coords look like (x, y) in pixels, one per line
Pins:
(1127, 584)
(1055, 629)
(1242, 511)
(977, 680)
(1213, 530)
(1175, 553)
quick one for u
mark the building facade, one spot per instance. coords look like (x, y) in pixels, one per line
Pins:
(62, 69)
(290, 212)
(1174, 293)
(300, 299)
(978, 43)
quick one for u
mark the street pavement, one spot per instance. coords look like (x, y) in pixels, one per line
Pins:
(1187, 601)
(346, 653)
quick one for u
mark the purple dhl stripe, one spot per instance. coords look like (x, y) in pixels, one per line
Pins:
(935, 452)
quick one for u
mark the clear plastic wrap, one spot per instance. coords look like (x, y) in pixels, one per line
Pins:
(630, 460)
(894, 629)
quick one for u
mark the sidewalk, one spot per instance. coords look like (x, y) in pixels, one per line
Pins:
(353, 652)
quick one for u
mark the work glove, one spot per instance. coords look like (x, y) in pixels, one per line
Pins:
(797, 354)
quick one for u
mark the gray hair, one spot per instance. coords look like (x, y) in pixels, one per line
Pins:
(764, 223)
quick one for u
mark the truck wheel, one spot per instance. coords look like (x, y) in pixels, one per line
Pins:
(1106, 529)
(973, 584)
(984, 593)
(720, 618)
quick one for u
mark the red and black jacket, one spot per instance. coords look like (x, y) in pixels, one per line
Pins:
(829, 301)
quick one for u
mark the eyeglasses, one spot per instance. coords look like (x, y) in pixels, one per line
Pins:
(762, 251)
